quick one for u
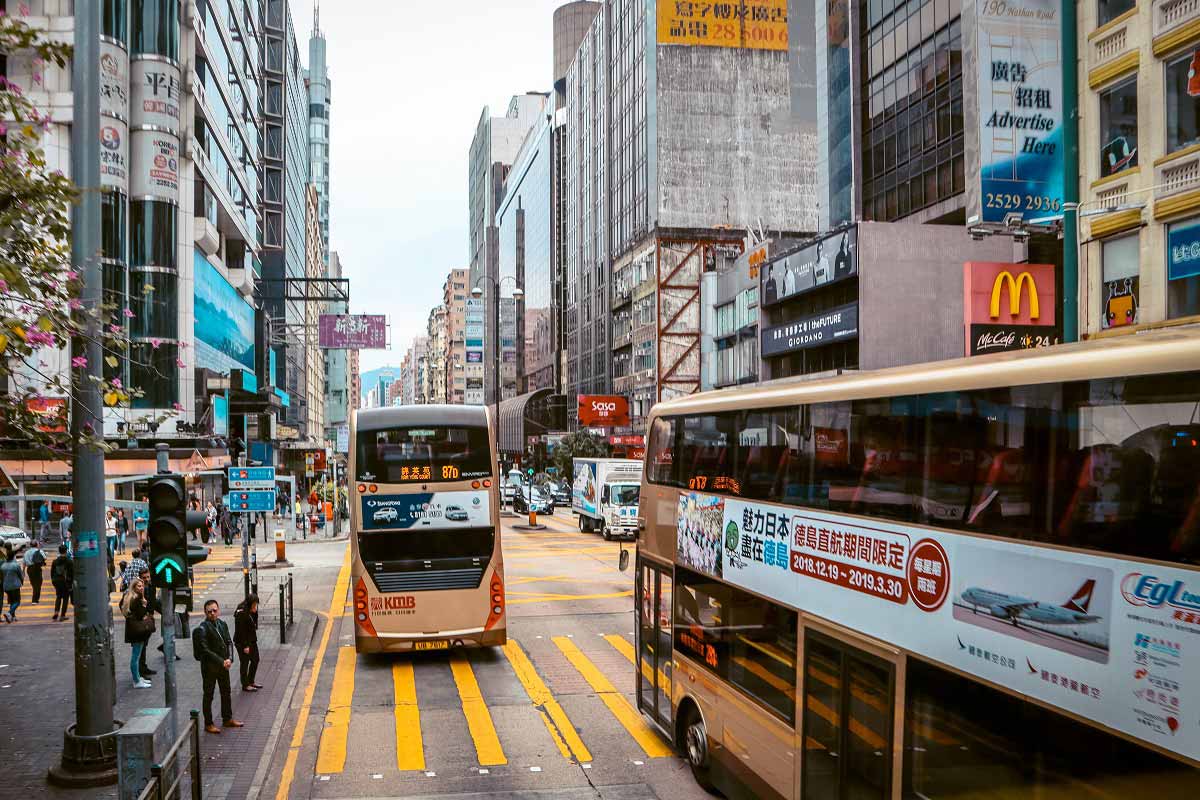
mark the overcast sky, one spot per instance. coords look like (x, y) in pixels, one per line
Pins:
(409, 82)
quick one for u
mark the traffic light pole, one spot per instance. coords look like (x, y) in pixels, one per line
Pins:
(166, 601)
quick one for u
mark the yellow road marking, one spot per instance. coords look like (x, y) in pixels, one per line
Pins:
(550, 598)
(557, 723)
(331, 755)
(410, 750)
(626, 649)
(629, 718)
(335, 611)
(479, 719)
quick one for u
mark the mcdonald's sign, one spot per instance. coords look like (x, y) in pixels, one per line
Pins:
(1008, 306)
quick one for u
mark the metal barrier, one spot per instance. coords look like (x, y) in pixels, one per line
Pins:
(157, 788)
(287, 613)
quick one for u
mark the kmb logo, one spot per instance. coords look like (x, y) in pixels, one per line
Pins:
(393, 603)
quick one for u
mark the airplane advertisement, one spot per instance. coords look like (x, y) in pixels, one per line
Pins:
(1110, 640)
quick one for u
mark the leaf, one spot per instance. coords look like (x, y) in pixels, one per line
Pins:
(45, 325)
(3, 342)
(110, 399)
(111, 361)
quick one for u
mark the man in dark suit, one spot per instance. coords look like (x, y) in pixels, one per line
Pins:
(213, 648)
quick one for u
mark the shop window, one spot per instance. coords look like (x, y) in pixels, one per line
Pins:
(1119, 289)
(1108, 10)
(1183, 269)
(1182, 90)
(1118, 128)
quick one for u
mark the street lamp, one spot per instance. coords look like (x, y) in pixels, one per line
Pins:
(477, 292)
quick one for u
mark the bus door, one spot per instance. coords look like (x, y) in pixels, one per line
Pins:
(653, 590)
(849, 720)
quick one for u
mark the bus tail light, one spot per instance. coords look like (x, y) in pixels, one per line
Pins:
(374, 488)
(362, 488)
(474, 484)
(487, 484)
(362, 616)
(496, 609)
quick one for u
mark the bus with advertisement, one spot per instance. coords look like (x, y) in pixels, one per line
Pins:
(427, 569)
(972, 578)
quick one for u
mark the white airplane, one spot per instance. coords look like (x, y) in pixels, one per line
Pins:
(1014, 608)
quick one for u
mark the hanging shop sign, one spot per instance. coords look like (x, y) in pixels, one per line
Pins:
(828, 327)
(1020, 110)
(155, 88)
(1008, 306)
(829, 259)
(155, 156)
(603, 411)
(352, 332)
(114, 154)
(1183, 250)
(114, 79)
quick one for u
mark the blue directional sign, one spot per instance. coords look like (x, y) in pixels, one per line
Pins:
(252, 502)
(252, 478)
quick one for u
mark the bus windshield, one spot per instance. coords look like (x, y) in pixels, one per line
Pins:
(425, 454)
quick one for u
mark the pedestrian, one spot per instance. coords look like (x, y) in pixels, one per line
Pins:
(210, 521)
(122, 524)
(213, 648)
(62, 575)
(44, 522)
(225, 521)
(34, 559)
(155, 608)
(110, 532)
(135, 568)
(245, 639)
(64, 528)
(141, 521)
(139, 624)
(12, 580)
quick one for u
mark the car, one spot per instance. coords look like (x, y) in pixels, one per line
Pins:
(538, 498)
(561, 492)
(13, 539)
(387, 514)
(456, 514)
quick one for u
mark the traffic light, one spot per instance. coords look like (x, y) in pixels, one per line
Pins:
(167, 531)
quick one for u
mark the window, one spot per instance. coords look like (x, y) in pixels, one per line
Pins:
(1183, 269)
(153, 370)
(155, 311)
(428, 454)
(963, 739)
(1183, 101)
(1118, 128)
(152, 234)
(1108, 10)
(1119, 291)
(661, 456)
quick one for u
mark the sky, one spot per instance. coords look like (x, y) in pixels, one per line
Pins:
(409, 81)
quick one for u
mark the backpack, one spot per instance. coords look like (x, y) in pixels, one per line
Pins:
(58, 572)
(196, 636)
(38, 558)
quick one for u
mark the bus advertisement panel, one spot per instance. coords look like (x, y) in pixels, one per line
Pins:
(1105, 638)
(426, 510)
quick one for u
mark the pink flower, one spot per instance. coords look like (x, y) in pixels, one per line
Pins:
(74, 304)
(155, 343)
(128, 314)
(116, 382)
(114, 328)
(179, 363)
(72, 274)
(3, 283)
(177, 406)
(79, 362)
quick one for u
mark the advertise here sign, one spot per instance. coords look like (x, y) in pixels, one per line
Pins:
(603, 410)
(1008, 306)
(1113, 641)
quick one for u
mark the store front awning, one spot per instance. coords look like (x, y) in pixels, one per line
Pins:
(533, 414)
(41, 469)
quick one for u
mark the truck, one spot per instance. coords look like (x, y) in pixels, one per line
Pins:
(604, 493)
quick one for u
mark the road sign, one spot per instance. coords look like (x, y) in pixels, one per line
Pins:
(252, 478)
(252, 502)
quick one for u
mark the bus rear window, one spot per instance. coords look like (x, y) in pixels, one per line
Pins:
(425, 454)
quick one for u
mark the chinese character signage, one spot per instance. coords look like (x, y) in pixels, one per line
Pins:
(825, 261)
(751, 24)
(155, 86)
(1114, 641)
(831, 326)
(1020, 109)
(114, 153)
(114, 79)
(1008, 306)
(352, 332)
(155, 160)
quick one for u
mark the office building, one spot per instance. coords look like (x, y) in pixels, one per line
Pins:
(454, 297)
(314, 361)
(319, 104)
(337, 365)
(438, 354)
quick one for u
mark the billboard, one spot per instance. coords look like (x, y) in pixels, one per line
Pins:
(827, 260)
(426, 510)
(352, 332)
(750, 24)
(154, 156)
(1020, 110)
(603, 411)
(817, 330)
(224, 321)
(1107, 639)
(154, 85)
(1008, 306)
(114, 79)
(114, 154)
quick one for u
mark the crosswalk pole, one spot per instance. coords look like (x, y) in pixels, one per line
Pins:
(168, 637)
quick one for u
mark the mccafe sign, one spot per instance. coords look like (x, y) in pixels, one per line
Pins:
(603, 411)
(1008, 306)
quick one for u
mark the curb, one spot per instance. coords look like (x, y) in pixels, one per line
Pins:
(285, 707)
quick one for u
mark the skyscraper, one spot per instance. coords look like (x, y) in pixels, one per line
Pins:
(319, 97)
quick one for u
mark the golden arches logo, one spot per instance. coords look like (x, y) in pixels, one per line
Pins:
(1014, 294)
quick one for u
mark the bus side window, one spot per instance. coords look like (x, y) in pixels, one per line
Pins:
(660, 461)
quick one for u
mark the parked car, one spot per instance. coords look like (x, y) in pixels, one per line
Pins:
(14, 539)
(536, 497)
(561, 492)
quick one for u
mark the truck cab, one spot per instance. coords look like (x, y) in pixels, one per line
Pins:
(605, 494)
(619, 505)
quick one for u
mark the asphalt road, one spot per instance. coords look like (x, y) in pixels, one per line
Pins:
(551, 715)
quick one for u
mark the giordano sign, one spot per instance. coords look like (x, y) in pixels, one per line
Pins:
(1026, 320)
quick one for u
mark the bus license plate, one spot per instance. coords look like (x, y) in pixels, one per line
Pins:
(437, 645)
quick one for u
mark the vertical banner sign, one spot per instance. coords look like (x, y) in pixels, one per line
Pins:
(155, 156)
(1020, 109)
(114, 154)
(114, 79)
(155, 86)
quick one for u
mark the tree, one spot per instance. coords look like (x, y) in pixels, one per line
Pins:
(579, 445)
(40, 309)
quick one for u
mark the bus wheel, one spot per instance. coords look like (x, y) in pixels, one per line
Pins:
(695, 748)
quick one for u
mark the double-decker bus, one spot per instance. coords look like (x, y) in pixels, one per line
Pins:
(427, 569)
(967, 579)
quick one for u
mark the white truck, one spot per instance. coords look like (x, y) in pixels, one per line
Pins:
(605, 494)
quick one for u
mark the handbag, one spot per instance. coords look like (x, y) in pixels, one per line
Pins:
(140, 628)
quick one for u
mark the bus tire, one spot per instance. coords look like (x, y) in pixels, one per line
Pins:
(694, 741)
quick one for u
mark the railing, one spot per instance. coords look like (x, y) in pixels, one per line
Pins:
(287, 609)
(158, 788)
(1171, 14)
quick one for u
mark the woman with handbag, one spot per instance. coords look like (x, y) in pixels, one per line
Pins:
(139, 624)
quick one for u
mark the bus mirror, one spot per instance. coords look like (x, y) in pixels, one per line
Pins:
(623, 561)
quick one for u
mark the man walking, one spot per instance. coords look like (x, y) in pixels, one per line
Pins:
(141, 520)
(245, 638)
(12, 580)
(44, 522)
(35, 559)
(64, 528)
(213, 648)
(136, 567)
(62, 575)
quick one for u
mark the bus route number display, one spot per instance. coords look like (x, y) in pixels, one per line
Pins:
(450, 473)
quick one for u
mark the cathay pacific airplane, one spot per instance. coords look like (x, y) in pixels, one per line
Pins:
(1014, 608)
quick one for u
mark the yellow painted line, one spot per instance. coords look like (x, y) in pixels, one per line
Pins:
(335, 610)
(565, 737)
(630, 719)
(331, 755)
(554, 598)
(626, 649)
(479, 719)
(410, 750)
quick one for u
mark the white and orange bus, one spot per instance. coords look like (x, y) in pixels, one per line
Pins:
(974, 578)
(427, 571)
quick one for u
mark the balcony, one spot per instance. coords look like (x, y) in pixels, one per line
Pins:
(1175, 22)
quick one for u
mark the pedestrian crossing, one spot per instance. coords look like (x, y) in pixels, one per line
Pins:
(492, 709)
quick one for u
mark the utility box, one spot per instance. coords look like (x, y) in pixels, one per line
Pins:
(142, 742)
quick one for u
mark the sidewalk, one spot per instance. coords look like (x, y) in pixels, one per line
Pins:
(37, 691)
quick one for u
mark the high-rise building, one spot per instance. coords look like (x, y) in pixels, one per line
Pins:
(337, 366)
(319, 102)
(454, 296)
(314, 362)
(438, 352)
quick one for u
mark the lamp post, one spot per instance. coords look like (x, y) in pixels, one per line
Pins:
(517, 294)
